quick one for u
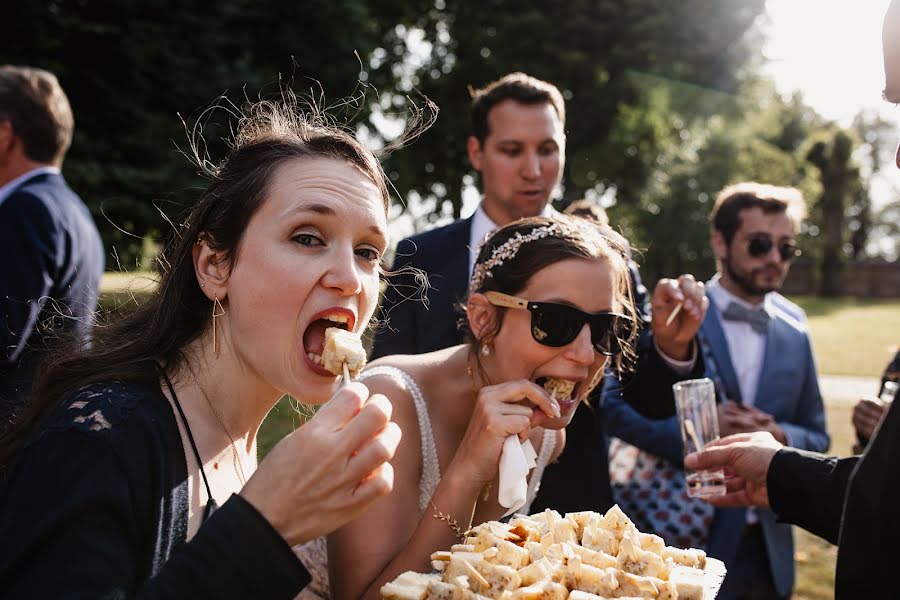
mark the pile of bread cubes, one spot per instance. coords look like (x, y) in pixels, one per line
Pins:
(580, 556)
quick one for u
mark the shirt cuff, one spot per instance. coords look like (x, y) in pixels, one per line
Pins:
(681, 367)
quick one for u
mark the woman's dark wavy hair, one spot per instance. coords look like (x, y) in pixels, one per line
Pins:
(579, 239)
(268, 135)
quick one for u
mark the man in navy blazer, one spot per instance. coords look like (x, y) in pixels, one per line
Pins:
(518, 146)
(51, 249)
(756, 348)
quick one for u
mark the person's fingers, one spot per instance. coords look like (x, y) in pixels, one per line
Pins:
(875, 411)
(734, 483)
(667, 293)
(728, 440)
(513, 392)
(372, 418)
(729, 500)
(342, 407)
(694, 293)
(734, 408)
(864, 415)
(741, 422)
(688, 287)
(519, 409)
(538, 418)
(718, 453)
(515, 424)
(762, 418)
(869, 426)
(376, 484)
(380, 449)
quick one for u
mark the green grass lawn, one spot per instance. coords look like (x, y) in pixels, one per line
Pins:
(125, 289)
(851, 336)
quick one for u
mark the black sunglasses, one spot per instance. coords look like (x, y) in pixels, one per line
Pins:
(556, 325)
(760, 246)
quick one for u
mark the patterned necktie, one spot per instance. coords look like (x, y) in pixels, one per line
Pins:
(758, 318)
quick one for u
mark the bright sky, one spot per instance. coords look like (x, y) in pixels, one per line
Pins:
(830, 50)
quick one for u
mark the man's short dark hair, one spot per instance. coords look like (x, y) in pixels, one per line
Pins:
(36, 106)
(518, 87)
(726, 213)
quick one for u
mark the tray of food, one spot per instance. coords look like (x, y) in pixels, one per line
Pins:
(579, 556)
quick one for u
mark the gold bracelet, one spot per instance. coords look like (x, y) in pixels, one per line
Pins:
(450, 521)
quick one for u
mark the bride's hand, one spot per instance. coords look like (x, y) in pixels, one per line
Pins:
(501, 410)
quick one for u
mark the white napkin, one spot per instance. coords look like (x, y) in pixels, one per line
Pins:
(516, 459)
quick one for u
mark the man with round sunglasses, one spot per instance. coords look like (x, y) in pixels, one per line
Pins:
(852, 502)
(755, 347)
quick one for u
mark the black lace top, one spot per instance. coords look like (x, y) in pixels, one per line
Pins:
(95, 505)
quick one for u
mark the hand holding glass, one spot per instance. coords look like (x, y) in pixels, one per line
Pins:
(695, 401)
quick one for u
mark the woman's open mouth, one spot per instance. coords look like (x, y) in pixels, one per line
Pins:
(564, 391)
(314, 337)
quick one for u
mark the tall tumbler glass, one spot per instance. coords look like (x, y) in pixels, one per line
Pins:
(695, 401)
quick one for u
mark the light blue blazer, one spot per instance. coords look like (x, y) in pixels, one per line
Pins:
(788, 390)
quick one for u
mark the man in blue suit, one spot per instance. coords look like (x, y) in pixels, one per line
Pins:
(755, 346)
(518, 146)
(51, 249)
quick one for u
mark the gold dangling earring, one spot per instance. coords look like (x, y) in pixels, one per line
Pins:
(217, 311)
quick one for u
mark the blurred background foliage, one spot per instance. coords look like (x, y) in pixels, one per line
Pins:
(665, 101)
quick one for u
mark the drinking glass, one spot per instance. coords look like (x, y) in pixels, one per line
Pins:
(889, 391)
(695, 401)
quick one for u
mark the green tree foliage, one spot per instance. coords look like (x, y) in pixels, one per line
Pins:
(601, 53)
(664, 104)
(832, 155)
(130, 67)
(755, 135)
(879, 140)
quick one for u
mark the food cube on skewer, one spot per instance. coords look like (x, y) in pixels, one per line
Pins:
(342, 346)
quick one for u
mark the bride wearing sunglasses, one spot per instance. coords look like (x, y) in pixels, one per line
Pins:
(548, 300)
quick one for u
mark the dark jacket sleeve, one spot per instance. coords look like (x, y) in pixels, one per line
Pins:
(397, 331)
(70, 509)
(29, 239)
(639, 292)
(796, 476)
(648, 387)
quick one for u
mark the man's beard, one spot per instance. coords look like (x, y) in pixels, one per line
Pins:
(745, 282)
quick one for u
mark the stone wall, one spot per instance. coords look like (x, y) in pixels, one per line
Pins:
(863, 279)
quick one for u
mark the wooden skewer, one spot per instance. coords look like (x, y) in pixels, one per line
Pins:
(478, 576)
(346, 378)
(674, 313)
(692, 433)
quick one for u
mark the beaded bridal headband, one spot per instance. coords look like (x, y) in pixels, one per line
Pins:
(508, 250)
